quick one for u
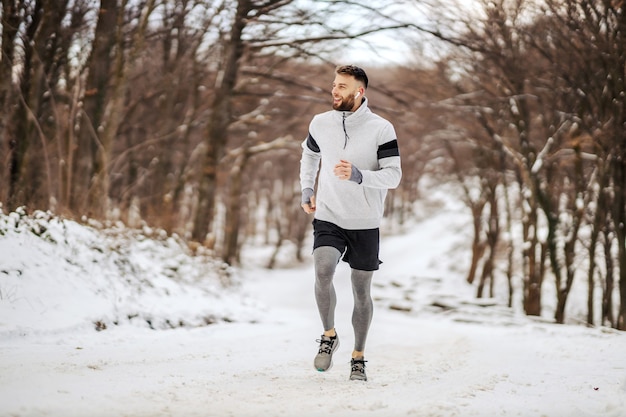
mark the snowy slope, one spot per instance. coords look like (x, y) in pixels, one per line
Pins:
(433, 350)
(58, 275)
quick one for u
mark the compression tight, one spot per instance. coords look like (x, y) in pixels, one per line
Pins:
(326, 259)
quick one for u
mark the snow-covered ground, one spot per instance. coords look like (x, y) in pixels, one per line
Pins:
(173, 342)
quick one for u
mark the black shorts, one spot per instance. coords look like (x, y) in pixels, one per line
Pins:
(359, 247)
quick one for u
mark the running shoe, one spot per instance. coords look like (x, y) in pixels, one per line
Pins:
(324, 358)
(358, 369)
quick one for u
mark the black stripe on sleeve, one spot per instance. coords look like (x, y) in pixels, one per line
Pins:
(388, 149)
(311, 144)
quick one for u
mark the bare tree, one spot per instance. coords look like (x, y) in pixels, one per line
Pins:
(588, 53)
(545, 82)
(269, 35)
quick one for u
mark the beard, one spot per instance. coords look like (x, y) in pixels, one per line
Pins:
(346, 104)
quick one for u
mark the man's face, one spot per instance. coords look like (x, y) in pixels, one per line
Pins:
(344, 89)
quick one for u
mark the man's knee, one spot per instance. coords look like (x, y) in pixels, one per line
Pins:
(326, 259)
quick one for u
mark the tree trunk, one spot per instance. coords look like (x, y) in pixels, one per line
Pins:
(599, 222)
(535, 272)
(233, 212)
(10, 25)
(619, 219)
(493, 234)
(478, 245)
(593, 241)
(80, 169)
(569, 248)
(19, 134)
(216, 136)
(50, 49)
(531, 267)
(510, 268)
(609, 283)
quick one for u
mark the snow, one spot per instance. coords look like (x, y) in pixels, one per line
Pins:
(175, 340)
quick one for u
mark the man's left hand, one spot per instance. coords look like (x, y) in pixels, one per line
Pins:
(343, 170)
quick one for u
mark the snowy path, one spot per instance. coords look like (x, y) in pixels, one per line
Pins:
(428, 366)
(469, 361)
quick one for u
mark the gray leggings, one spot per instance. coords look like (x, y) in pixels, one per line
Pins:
(326, 259)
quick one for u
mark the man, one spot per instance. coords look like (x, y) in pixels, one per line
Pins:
(356, 154)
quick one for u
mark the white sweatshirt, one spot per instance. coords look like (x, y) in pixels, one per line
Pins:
(367, 141)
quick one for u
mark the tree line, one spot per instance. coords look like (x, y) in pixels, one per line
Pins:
(545, 84)
(188, 115)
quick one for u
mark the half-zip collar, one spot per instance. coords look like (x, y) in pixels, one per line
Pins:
(354, 119)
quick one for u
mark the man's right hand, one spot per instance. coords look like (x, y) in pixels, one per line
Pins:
(308, 201)
(309, 208)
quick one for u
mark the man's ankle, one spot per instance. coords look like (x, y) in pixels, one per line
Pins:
(330, 333)
(357, 354)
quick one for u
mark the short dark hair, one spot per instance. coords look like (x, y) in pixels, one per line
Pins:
(354, 71)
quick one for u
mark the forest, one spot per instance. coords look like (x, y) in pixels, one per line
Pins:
(188, 116)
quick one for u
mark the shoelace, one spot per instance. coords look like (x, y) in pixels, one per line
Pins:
(358, 365)
(326, 346)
